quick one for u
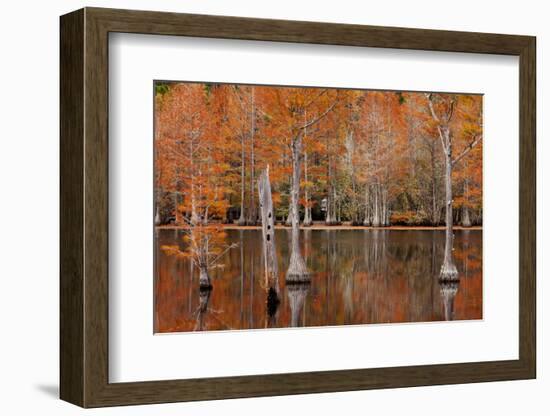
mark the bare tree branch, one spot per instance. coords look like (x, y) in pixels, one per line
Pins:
(451, 110)
(210, 263)
(442, 139)
(436, 119)
(467, 149)
(431, 107)
(319, 118)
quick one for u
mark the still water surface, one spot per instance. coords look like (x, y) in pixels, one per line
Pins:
(357, 277)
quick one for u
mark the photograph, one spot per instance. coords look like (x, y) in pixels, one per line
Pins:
(280, 206)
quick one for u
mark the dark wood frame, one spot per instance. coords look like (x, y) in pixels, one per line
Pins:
(84, 207)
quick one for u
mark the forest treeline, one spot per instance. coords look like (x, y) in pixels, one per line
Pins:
(375, 158)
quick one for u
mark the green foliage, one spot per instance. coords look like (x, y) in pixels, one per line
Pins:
(207, 89)
(400, 97)
(162, 88)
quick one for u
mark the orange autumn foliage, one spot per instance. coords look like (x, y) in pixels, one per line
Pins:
(374, 156)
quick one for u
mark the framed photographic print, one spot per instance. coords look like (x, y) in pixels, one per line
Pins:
(256, 207)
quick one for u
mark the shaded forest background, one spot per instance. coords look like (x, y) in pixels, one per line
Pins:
(370, 158)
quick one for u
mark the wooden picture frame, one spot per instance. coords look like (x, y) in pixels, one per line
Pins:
(84, 207)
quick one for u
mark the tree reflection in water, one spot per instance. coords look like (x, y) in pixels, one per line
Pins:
(297, 294)
(449, 289)
(272, 307)
(356, 277)
(204, 297)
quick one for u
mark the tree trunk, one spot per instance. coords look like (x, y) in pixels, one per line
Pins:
(465, 212)
(384, 215)
(466, 222)
(158, 194)
(241, 220)
(307, 208)
(297, 270)
(268, 231)
(204, 277)
(290, 214)
(194, 216)
(448, 269)
(157, 215)
(288, 221)
(376, 214)
(355, 208)
(435, 211)
(307, 217)
(330, 215)
(367, 221)
(252, 212)
(177, 214)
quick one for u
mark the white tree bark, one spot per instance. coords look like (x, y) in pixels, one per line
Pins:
(465, 211)
(385, 213)
(448, 290)
(242, 220)
(466, 222)
(290, 214)
(434, 198)
(157, 215)
(268, 231)
(297, 270)
(158, 193)
(297, 294)
(376, 207)
(367, 219)
(194, 216)
(448, 269)
(307, 209)
(252, 211)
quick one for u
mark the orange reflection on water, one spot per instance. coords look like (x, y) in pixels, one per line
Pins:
(357, 277)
